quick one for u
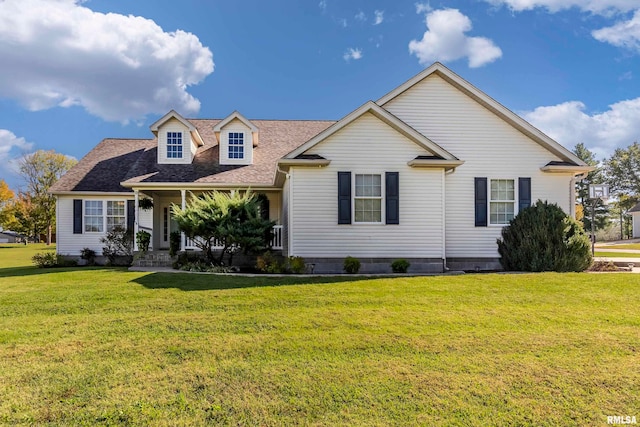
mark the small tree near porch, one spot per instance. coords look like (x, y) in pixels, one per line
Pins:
(232, 221)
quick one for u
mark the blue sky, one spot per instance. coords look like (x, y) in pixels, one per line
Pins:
(75, 72)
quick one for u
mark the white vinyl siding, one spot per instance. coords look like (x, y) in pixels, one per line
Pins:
(231, 151)
(366, 146)
(169, 135)
(489, 146)
(68, 243)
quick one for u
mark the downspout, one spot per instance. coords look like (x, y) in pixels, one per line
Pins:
(444, 224)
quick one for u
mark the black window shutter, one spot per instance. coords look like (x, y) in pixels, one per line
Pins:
(481, 201)
(264, 206)
(344, 197)
(77, 216)
(524, 193)
(392, 200)
(131, 215)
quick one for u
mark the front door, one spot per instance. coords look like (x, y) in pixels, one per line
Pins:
(168, 224)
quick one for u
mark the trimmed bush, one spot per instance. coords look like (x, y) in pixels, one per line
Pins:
(543, 238)
(351, 265)
(296, 265)
(88, 255)
(174, 243)
(143, 239)
(118, 246)
(50, 260)
(400, 265)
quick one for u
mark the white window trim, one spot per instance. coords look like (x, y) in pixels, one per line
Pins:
(175, 145)
(382, 198)
(489, 200)
(104, 203)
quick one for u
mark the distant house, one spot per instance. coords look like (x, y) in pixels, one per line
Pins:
(430, 172)
(7, 236)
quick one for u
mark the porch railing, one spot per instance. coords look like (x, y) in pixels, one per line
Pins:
(276, 240)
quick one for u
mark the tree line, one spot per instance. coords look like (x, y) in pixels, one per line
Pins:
(621, 171)
(32, 211)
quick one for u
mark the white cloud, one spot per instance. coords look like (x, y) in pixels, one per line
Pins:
(119, 68)
(569, 124)
(622, 34)
(11, 148)
(445, 40)
(423, 8)
(379, 17)
(361, 16)
(323, 5)
(603, 7)
(352, 53)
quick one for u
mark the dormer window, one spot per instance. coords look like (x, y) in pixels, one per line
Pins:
(236, 145)
(174, 145)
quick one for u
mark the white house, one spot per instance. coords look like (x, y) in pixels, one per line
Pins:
(430, 172)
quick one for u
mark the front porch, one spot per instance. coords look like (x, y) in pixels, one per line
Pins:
(158, 220)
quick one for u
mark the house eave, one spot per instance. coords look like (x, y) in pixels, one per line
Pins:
(310, 163)
(90, 193)
(435, 163)
(567, 169)
(196, 186)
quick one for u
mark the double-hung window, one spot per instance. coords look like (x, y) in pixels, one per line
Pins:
(174, 145)
(93, 216)
(368, 198)
(502, 201)
(97, 219)
(116, 214)
(236, 145)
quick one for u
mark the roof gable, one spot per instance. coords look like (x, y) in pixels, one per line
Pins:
(489, 103)
(174, 115)
(384, 116)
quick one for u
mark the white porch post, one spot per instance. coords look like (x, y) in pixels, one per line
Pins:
(183, 194)
(136, 219)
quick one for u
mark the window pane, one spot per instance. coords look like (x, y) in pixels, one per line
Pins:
(501, 212)
(502, 189)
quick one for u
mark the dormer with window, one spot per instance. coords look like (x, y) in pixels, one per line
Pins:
(236, 137)
(178, 139)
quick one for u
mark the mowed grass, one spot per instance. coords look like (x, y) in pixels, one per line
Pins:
(112, 347)
(608, 254)
(635, 246)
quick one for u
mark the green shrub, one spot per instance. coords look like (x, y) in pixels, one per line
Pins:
(89, 255)
(118, 246)
(187, 257)
(296, 265)
(174, 242)
(543, 238)
(351, 265)
(400, 265)
(268, 263)
(51, 259)
(143, 239)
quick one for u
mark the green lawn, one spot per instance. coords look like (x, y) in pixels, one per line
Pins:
(617, 254)
(112, 347)
(635, 246)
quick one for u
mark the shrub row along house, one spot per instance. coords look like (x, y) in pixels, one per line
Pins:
(430, 172)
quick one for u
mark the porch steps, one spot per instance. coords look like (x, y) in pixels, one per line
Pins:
(152, 259)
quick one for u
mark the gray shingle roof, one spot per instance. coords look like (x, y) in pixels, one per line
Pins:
(135, 160)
